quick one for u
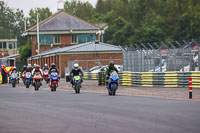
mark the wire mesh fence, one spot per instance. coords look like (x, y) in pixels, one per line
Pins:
(161, 57)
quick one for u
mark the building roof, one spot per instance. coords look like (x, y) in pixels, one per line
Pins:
(85, 47)
(102, 26)
(63, 21)
(10, 57)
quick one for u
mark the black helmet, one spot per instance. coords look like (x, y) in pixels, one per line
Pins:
(24, 66)
(53, 65)
(111, 64)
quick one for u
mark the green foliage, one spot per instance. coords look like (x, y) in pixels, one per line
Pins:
(25, 51)
(11, 23)
(43, 13)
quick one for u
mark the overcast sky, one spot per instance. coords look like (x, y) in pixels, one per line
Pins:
(26, 5)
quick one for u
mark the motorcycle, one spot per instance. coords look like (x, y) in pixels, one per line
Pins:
(37, 77)
(77, 84)
(46, 77)
(27, 79)
(14, 79)
(54, 81)
(113, 83)
(23, 76)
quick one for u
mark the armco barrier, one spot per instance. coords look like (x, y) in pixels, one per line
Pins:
(152, 79)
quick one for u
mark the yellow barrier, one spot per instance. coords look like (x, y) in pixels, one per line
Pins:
(126, 78)
(0, 79)
(147, 79)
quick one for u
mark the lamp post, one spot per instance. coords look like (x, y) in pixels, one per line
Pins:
(38, 39)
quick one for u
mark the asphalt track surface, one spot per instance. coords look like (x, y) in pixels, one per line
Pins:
(26, 111)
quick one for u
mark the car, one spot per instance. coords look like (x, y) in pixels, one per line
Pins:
(103, 69)
(93, 68)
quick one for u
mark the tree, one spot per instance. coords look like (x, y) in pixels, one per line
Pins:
(11, 23)
(43, 13)
(25, 51)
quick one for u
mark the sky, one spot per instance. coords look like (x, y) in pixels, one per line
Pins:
(26, 5)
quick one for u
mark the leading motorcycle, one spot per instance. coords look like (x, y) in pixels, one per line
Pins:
(77, 83)
(37, 77)
(113, 83)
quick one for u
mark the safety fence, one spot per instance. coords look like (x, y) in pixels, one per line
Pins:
(151, 79)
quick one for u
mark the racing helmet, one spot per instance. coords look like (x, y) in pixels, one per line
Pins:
(76, 65)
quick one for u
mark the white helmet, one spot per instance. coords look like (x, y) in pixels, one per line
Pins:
(29, 65)
(76, 65)
(45, 65)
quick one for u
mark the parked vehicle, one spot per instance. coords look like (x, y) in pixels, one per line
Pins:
(77, 83)
(93, 69)
(37, 77)
(103, 69)
(54, 78)
(113, 83)
(46, 75)
(27, 79)
(14, 79)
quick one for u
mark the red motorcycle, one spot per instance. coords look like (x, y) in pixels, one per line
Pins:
(46, 76)
(23, 76)
(37, 81)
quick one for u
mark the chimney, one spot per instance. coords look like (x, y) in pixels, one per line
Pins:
(60, 5)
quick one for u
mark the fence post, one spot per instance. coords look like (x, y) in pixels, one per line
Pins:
(190, 88)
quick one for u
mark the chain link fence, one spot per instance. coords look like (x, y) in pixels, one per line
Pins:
(162, 57)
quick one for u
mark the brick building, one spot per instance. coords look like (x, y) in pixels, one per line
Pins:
(65, 38)
(62, 29)
(87, 54)
(8, 47)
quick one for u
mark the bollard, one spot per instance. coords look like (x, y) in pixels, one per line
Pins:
(190, 88)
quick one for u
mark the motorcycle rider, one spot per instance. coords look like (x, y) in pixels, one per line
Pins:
(34, 66)
(37, 69)
(45, 67)
(53, 68)
(111, 67)
(75, 72)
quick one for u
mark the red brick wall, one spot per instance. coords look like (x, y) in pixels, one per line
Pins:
(5, 52)
(34, 47)
(66, 40)
(87, 61)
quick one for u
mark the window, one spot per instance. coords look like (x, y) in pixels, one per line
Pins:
(57, 39)
(83, 38)
(10, 45)
(4, 45)
(46, 39)
(1, 45)
(49, 39)
(74, 39)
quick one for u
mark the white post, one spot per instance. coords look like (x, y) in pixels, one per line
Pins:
(24, 24)
(38, 39)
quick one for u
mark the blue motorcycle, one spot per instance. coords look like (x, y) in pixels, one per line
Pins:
(27, 79)
(54, 81)
(14, 79)
(113, 83)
